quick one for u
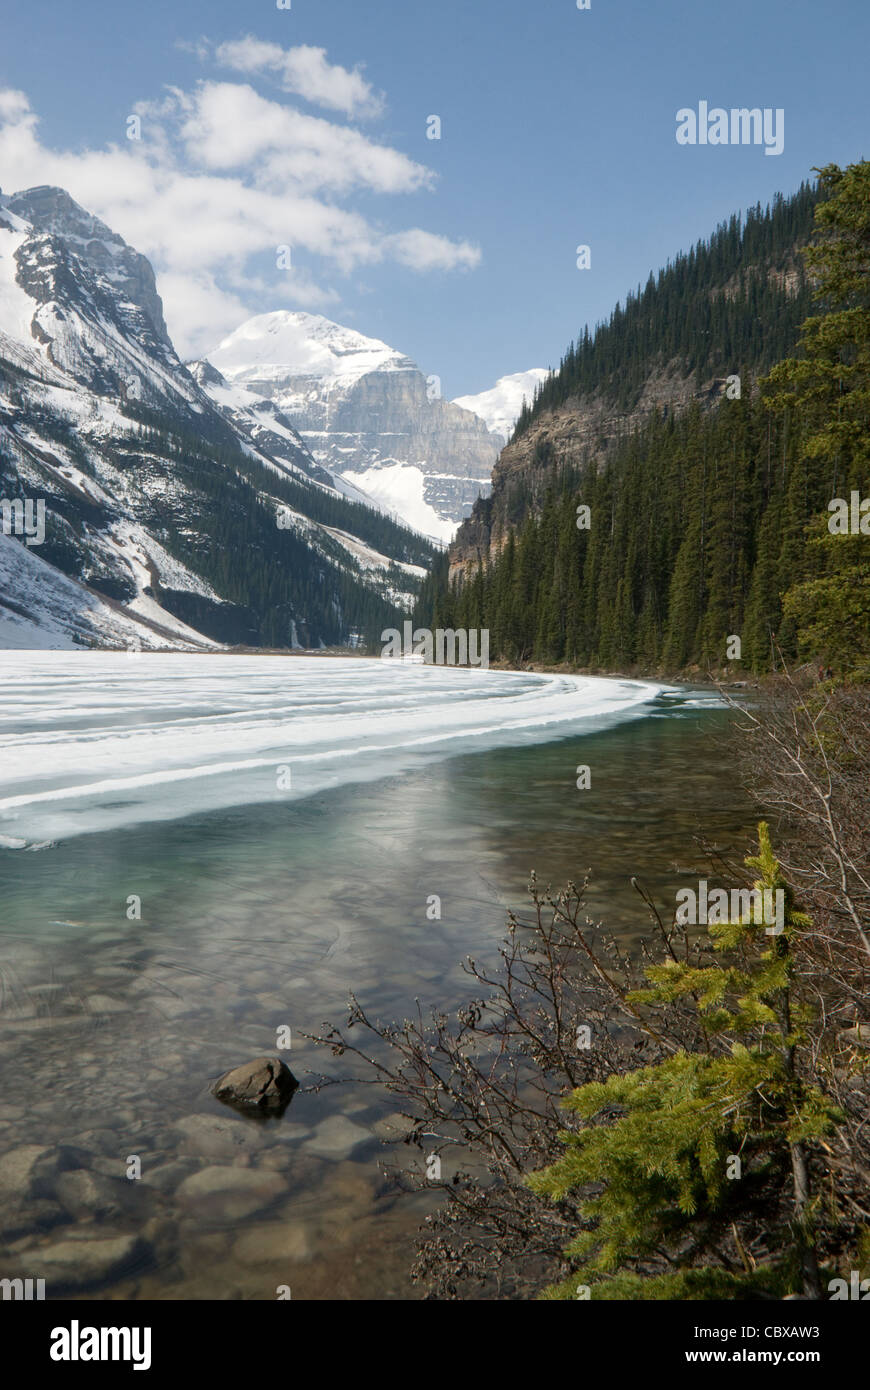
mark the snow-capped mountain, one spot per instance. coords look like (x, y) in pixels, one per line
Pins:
(307, 347)
(500, 406)
(175, 509)
(367, 413)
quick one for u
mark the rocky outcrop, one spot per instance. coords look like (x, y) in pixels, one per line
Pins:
(577, 435)
(635, 365)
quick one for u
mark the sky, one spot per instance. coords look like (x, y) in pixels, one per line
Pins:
(283, 158)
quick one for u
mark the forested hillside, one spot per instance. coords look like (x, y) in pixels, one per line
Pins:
(697, 521)
(737, 298)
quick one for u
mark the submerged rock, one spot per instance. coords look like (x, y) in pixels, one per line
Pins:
(78, 1263)
(87, 1194)
(16, 1168)
(270, 1244)
(337, 1136)
(219, 1178)
(265, 1084)
(228, 1193)
(218, 1137)
(21, 1220)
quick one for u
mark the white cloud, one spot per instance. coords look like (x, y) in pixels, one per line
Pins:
(427, 251)
(230, 126)
(220, 179)
(14, 106)
(305, 72)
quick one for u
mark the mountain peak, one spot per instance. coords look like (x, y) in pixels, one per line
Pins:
(145, 470)
(52, 211)
(292, 343)
(367, 413)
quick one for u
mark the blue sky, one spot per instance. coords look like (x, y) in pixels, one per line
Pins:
(558, 128)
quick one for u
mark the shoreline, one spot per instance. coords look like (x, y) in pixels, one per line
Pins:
(691, 676)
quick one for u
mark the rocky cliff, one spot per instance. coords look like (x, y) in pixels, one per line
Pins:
(578, 434)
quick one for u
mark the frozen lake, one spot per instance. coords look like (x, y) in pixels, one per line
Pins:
(155, 780)
(93, 741)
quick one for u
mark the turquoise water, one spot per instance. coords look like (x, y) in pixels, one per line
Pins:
(257, 917)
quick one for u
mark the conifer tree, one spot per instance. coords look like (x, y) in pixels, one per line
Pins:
(704, 1143)
(831, 611)
(829, 382)
(830, 379)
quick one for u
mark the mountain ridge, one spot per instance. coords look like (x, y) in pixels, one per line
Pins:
(148, 483)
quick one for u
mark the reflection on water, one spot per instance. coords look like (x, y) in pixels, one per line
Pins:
(256, 918)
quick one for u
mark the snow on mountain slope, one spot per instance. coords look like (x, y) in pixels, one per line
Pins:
(16, 306)
(370, 558)
(95, 311)
(42, 608)
(368, 415)
(501, 405)
(261, 422)
(400, 488)
(160, 484)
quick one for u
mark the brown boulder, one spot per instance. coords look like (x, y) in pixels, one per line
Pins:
(265, 1084)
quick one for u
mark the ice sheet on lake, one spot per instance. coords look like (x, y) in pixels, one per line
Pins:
(96, 740)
